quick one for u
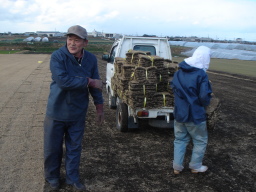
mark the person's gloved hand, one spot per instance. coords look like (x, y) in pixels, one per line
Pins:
(100, 113)
(95, 83)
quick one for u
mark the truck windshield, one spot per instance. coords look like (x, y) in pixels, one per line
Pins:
(151, 49)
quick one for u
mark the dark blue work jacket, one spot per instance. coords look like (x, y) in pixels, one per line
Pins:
(192, 93)
(69, 94)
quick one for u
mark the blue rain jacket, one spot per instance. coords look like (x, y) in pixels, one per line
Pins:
(69, 95)
(192, 93)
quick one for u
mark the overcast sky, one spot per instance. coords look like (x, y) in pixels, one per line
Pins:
(222, 19)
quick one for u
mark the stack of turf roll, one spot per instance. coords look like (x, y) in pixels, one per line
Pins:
(162, 99)
(132, 56)
(142, 80)
(139, 94)
(145, 74)
(118, 64)
(172, 67)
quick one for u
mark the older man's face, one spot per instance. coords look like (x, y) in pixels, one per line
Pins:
(75, 45)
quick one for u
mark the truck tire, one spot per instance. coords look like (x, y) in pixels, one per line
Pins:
(122, 117)
(111, 101)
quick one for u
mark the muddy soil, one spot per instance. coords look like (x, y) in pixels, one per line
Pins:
(137, 161)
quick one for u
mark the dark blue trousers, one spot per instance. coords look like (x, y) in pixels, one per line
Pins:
(55, 134)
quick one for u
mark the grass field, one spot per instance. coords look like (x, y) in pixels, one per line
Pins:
(247, 68)
(9, 45)
(98, 45)
(8, 52)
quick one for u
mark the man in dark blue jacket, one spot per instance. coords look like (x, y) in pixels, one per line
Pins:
(192, 93)
(74, 76)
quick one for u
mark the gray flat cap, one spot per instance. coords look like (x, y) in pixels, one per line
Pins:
(77, 30)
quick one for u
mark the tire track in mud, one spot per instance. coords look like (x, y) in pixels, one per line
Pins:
(233, 139)
(231, 76)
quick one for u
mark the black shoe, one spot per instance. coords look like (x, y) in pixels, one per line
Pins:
(79, 186)
(55, 186)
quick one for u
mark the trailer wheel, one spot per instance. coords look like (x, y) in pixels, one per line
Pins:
(111, 101)
(122, 117)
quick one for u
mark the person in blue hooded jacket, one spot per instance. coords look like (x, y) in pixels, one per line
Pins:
(192, 93)
(75, 76)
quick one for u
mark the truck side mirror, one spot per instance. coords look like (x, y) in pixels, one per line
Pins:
(111, 59)
(105, 57)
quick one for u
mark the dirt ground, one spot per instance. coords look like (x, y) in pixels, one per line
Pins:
(137, 161)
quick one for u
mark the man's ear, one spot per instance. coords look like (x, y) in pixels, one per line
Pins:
(86, 42)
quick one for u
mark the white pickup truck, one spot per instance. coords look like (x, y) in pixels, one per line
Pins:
(126, 116)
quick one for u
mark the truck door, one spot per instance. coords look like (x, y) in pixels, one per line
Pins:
(110, 68)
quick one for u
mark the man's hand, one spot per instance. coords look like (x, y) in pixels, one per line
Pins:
(100, 113)
(95, 83)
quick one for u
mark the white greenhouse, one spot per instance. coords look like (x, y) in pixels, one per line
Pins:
(29, 39)
(222, 50)
(38, 39)
(45, 39)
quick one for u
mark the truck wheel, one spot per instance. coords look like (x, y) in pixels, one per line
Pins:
(122, 117)
(111, 101)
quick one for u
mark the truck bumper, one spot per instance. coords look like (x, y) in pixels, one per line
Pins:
(161, 123)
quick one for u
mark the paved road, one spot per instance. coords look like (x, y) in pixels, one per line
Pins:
(24, 85)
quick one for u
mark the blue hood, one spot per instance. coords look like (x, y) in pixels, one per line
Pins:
(187, 68)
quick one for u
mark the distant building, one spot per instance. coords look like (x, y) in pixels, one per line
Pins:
(29, 33)
(176, 38)
(50, 33)
(95, 33)
(108, 35)
(204, 39)
(59, 34)
(111, 35)
(191, 39)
